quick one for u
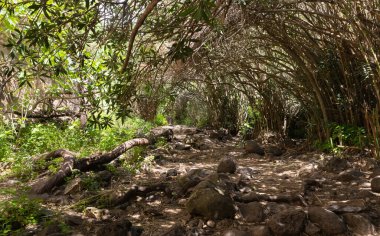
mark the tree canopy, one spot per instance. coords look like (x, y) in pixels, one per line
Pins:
(305, 68)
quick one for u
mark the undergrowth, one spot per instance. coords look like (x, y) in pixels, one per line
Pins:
(19, 146)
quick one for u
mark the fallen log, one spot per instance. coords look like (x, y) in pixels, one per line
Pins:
(70, 162)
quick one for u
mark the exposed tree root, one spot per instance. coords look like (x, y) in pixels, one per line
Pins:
(85, 164)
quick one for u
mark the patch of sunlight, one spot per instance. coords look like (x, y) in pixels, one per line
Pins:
(168, 224)
(136, 216)
(173, 211)
(155, 203)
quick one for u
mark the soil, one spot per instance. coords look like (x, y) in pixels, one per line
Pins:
(155, 213)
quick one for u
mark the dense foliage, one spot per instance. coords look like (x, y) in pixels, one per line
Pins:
(308, 69)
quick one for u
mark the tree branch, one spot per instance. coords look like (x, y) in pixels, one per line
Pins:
(135, 30)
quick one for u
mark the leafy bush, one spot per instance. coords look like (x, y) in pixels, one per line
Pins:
(17, 213)
(34, 139)
(5, 142)
(39, 138)
(160, 120)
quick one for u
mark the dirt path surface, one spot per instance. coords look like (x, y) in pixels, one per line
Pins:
(289, 193)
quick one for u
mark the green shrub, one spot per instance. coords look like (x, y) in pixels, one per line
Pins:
(5, 142)
(160, 120)
(17, 213)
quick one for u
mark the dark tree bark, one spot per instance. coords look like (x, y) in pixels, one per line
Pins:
(70, 163)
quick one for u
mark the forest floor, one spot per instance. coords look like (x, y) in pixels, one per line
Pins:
(295, 180)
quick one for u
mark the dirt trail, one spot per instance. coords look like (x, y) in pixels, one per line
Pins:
(313, 178)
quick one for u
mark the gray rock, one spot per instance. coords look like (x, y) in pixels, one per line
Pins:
(74, 186)
(252, 146)
(235, 232)
(252, 212)
(358, 224)
(260, 230)
(227, 165)
(375, 172)
(350, 175)
(210, 203)
(274, 150)
(336, 164)
(189, 180)
(171, 172)
(182, 146)
(328, 221)
(312, 229)
(350, 206)
(247, 173)
(287, 223)
(73, 220)
(375, 184)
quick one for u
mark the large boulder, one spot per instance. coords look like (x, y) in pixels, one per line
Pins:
(375, 184)
(251, 146)
(287, 223)
(227, 165)
(211, 204)
(327, 220)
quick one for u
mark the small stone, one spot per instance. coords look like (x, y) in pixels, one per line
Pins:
(252, 146)
(74, 186)
(182, 146)
(182, 201)
(375, 184)
(211, 223)
(171, 172)
(227, 165)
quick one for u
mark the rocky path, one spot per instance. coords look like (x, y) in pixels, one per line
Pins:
(205, 183)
